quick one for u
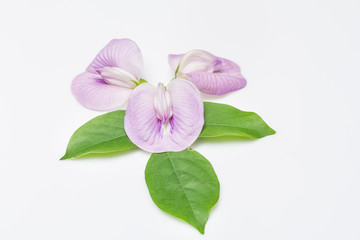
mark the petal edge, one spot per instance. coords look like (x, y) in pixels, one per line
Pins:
(121, 53)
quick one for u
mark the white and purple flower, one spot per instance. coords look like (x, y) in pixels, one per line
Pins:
(210, 74)
(164, 119)
(109, 80)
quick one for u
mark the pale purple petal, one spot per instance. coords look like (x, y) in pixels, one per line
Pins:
(210, 74)
(216, 83)
(93, 93)
(143, 126)
(174, 60)
(120, 53)
(228, 67)
(188, 113)
(141, 123)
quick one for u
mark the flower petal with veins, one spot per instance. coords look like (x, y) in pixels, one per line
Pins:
(220, 84)
(120, 53)
(93, 93)
(109, 79)
(159, 120)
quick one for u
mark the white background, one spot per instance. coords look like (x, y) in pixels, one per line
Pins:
(301, 60)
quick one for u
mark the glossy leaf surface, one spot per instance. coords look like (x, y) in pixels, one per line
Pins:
(183, 184)
(102, 134)
(225, 120)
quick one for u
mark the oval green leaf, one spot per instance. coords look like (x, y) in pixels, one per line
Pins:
(102, 134)
(225, 120)
(183, 184)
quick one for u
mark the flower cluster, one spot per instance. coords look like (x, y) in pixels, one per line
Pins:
(163, 120)
(157, 119)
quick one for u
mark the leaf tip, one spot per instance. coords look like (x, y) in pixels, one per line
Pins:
(64, 157)
(201, 229)
(272, 131)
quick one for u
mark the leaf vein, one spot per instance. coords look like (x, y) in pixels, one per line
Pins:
(182, 187)
(93, 145)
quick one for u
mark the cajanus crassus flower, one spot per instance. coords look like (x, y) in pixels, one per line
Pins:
(109, 80)
(160, 119)
(210, 74)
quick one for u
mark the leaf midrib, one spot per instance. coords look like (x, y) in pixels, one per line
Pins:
(181, 184)
(95, 145)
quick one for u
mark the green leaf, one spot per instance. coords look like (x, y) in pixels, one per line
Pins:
(225, 120)
(103, 134)
(184, 185)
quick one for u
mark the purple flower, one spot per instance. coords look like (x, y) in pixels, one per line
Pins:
(164, 119)
(111, 77)
(210, 74)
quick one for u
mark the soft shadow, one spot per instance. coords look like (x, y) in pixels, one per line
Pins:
(223, 139)
(207, 97)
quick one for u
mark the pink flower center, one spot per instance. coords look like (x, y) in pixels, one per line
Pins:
(217, 66)
(163, 108)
